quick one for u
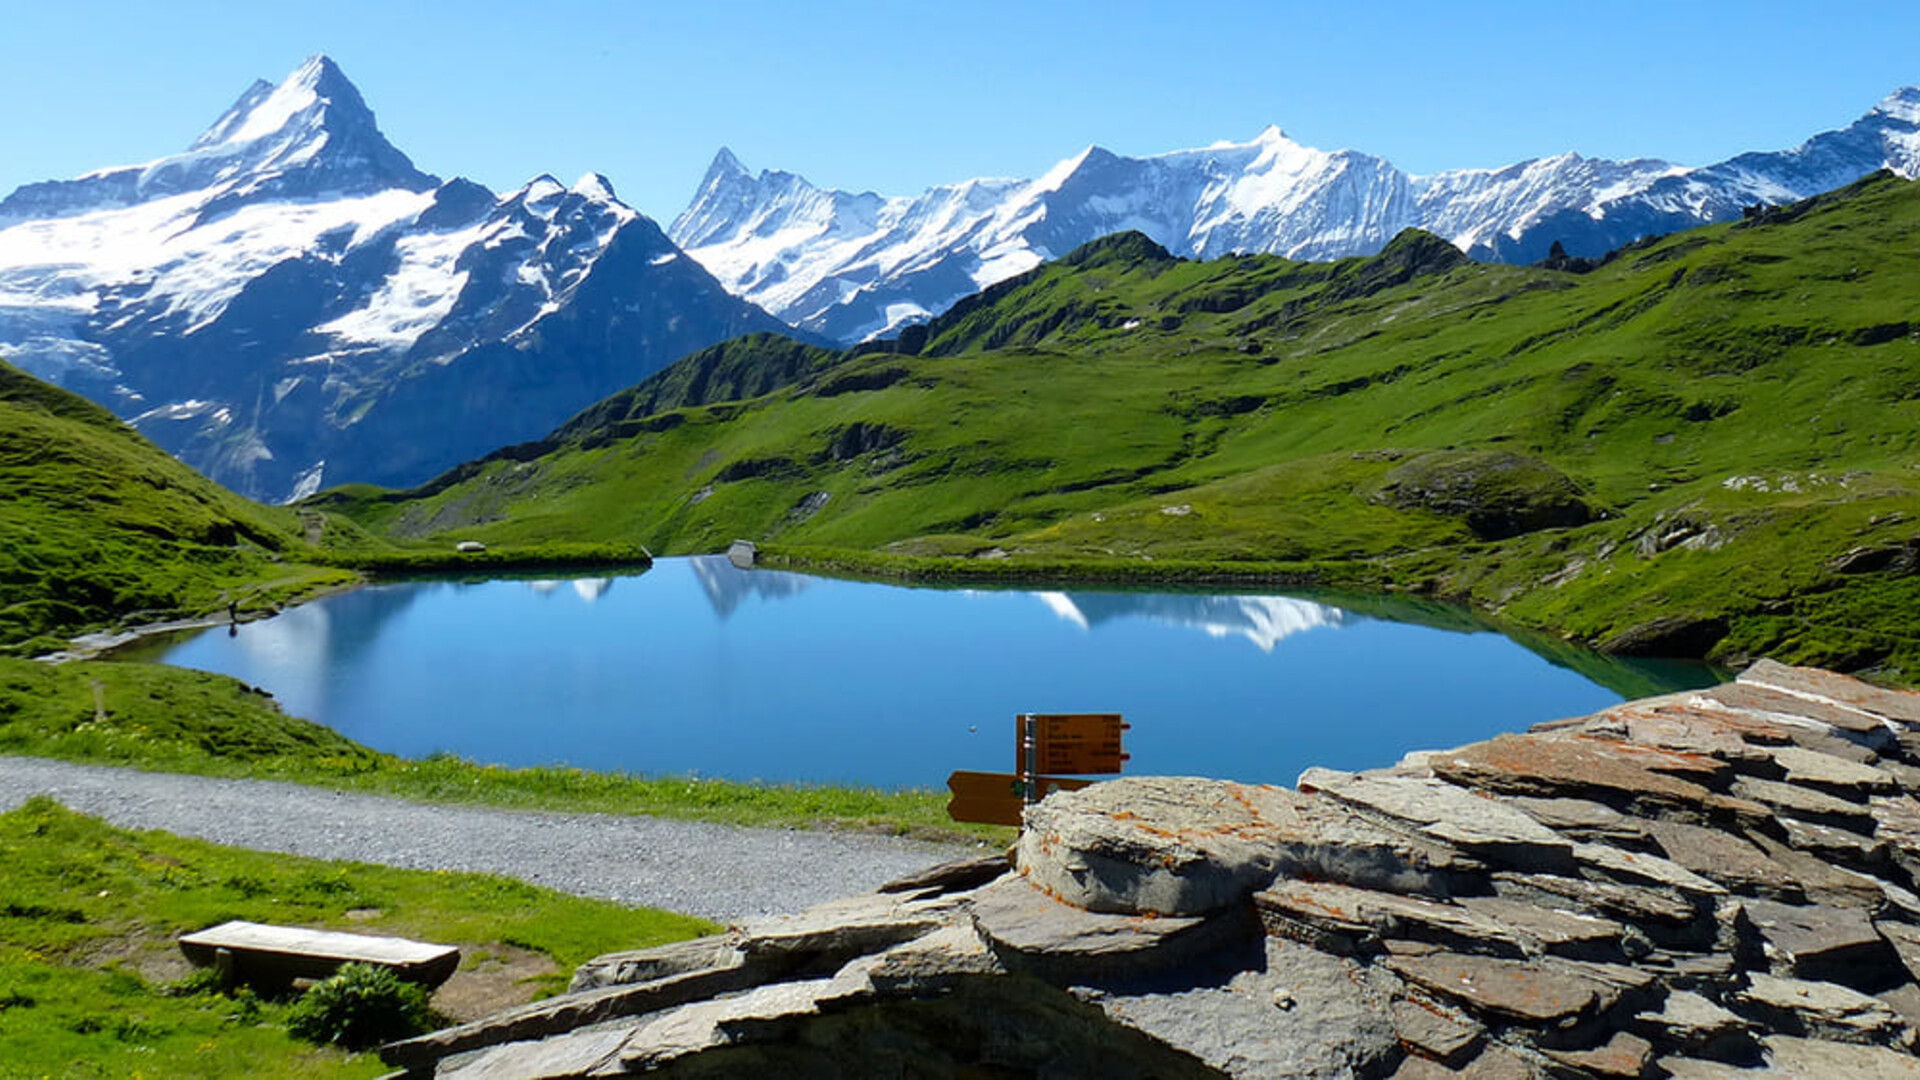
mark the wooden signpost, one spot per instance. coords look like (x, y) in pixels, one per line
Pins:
(1084, 744)
(997, 798)
(1081, 744)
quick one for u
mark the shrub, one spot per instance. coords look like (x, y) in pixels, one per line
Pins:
(359, 1007)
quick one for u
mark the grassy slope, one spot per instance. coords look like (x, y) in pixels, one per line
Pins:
(100, 528)
(1738, 405)
(85, 908)
(98, 525)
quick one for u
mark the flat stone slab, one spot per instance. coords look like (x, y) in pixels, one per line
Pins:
(1616, 772)
(1624, 1054)
(1186, 846)
(571, 1011)
(1826, 944)
(578, 1053)
(692, 1028)
(1366, 917)
(1546, 930)
(1806, 803)
(852, 926)
(1515, 990)
(658, 962)
(951, 876)
(1754, 697)
(1726, 858)
(1637, 904)
(1896, 819)
(1825, 883)
(1822, 1010)
(1484, 925)
(1435, 1034)
(1030, 930)
(1693, 1023)
(1582, 819)
(1816, 1059)
(1892, 704)
(932, 962)
(1834, 775)
(1905, 939)
(1692, 730)
(1845, 846)
(1473, 822)
(1640, 866)
(1295, 1012)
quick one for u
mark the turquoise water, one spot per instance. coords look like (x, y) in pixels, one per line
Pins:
(696, 667)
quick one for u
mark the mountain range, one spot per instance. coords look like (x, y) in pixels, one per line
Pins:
(291, 303)
(854, 266)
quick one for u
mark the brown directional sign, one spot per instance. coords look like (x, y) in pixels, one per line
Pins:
(996, 798)
(1075, 743)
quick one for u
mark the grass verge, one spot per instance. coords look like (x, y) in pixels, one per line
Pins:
(89, 915)
(168, 719)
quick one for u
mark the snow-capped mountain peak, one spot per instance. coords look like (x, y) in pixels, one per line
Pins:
(595, 187)
(724, 164)
(289, 302)
(1902, 105)
(316, 96)
(852, 266)
(310, 135)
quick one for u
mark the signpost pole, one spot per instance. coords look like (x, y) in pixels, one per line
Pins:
(1029, 758)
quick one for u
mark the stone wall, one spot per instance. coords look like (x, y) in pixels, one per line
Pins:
(1708, 884)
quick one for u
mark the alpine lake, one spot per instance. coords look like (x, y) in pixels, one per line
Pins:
(697, 668)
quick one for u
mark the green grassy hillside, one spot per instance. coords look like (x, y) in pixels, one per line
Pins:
(99, 528)
(97, 525)
(1704, 445)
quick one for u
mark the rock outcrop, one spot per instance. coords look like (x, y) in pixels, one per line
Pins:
(1699, 885)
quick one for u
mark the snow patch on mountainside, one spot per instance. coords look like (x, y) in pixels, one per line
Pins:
(417, 295)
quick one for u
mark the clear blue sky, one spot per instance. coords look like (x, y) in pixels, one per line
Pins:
(897, 97)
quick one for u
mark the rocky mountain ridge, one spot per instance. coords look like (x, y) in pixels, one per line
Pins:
(290, 302)
(852, 266)
(1708, 885)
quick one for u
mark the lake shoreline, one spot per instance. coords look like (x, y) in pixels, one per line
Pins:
(697, 667)
(102, 644)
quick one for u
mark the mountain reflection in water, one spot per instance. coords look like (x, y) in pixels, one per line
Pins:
(698, 667)
(1263, 620)
(727, 586)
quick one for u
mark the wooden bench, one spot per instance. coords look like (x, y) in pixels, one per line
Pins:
(272, 956)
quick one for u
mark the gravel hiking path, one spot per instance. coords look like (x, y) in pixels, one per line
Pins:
(720, 872)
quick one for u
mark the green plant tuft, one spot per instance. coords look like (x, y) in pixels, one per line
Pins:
(360, 1006)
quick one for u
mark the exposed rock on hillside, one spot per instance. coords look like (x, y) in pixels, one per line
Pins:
(1693, 886)
(1499, 494)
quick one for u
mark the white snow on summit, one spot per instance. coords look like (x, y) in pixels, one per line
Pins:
(259, 115)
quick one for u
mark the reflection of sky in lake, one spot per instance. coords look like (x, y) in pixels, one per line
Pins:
(695, 666)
